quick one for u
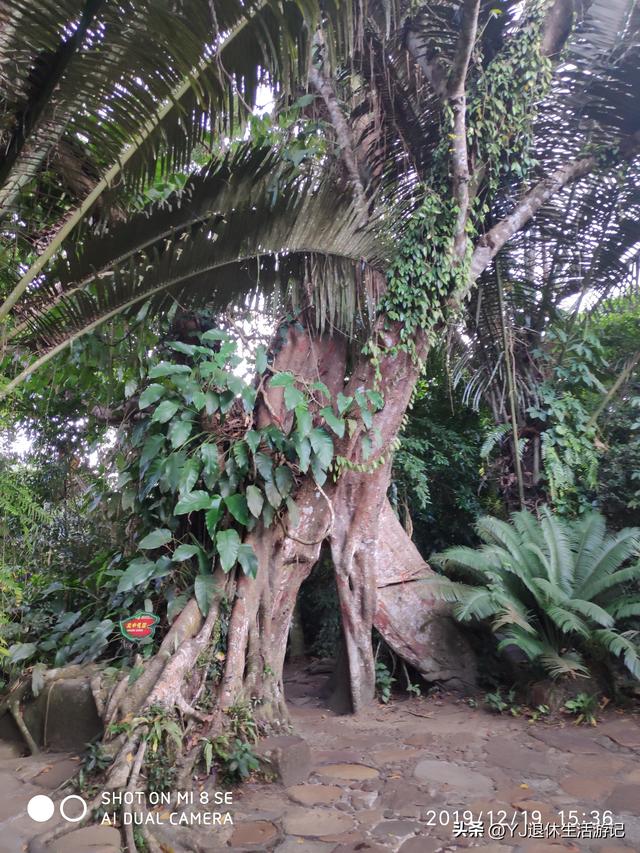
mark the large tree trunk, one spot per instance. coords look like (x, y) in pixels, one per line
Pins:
(381, 578)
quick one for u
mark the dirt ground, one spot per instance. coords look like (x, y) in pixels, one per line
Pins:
(417, 776)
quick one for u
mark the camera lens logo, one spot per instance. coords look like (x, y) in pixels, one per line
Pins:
(41, 808)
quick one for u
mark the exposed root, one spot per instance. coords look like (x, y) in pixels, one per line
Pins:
(16, 713)
(131, 787)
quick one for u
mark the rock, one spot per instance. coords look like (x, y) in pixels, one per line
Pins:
(511, 755)
(625, 798)
(55, 773)
(60, 697)
(422, 845)
(289, 758)
(363, 799)
(395, 756)
(304, 845)
(568, 740)
(311, 795)
(254, 833)
(459, 779)
(316, 823)
(360, 846)
(624, 732)
(10, 750)
(352, 772)
(396, 829)
(89, 839)
(590, 788)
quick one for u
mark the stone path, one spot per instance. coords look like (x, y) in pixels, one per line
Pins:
(394, 778)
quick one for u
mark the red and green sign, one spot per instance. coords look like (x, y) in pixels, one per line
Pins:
(139, 627)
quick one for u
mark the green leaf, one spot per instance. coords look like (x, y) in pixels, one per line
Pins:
(273, 495)
(367, 418)
(376, 399)
(137, 572)
(21, 652)
(282, 380)
(213, 515)
(184, 552)
(165, 411)
(366, 447)
(228, 545)
(261, 359)
(322, 446)
(214, 335)
(320, 386)
(211, 402)
(343, 403)
(303, 449)
(304, 421)
(294, 513)
(237, 506)
(255, 500)
(150, 449)
(248, 560)
(199, 400)
(179, 432)
(193, 502)
(167, 368)
(336, 424)
(318, 471)
(264, 466)
(190, 474)
(241, 454)
(253, 440)
(209, 456)
(284, 480)
(204, 589)
(156, 539)
(292, 397)
(150, 395)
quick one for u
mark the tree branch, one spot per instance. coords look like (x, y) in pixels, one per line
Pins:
(490, 244)
(458, 99)
(345, 140)
(557, 26)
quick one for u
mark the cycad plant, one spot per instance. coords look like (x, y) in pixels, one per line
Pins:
(557, 589)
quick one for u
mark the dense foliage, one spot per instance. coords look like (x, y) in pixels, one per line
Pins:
(557, 590)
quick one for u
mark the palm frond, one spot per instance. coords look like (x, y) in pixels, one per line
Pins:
(621, 645)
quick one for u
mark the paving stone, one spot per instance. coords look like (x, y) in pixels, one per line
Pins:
(362, 845)
(311, 795)
(625, 798)
(423, 739)
(568, 740)
(624, 732)
(590, 788)
(352, 772)
(422, 845)
(254, 834)
(289, 758)
(316, 823)
(396, 756)
(511, 755)
(591, 765)
(56, 773)
(396, 829)
(89, 839)
(304, 845)
(459, 779)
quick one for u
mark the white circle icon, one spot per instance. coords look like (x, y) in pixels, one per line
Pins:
(68, 800)
(40, 808)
